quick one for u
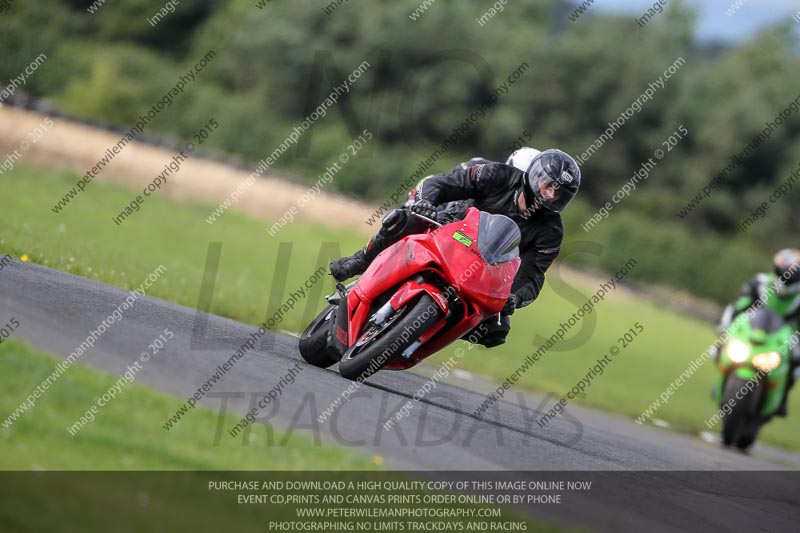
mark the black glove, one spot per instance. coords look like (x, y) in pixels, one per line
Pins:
(424, 208)
(511, 305)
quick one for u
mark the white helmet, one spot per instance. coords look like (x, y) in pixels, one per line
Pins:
(522, 158)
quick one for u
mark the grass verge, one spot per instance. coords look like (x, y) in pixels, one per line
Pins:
(121, 470)
(127, 433)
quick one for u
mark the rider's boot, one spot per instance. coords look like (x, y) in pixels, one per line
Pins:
(394, 226)
(353, 265)
(349, 266)
(783, 410)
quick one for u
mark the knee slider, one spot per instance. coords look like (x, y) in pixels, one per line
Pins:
(394, 222)
(493, 339)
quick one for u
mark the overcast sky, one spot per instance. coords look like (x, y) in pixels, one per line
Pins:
(714, 22)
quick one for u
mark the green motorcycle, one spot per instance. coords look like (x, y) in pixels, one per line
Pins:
(754, 364)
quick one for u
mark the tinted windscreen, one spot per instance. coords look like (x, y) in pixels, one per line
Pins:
(498, 238)
(767, 321)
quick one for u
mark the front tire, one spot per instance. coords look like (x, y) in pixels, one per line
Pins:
(314, 345)
(739, 428)
(747, 440)
(360, 362)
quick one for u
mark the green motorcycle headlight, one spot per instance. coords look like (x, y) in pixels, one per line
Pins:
(767, 362)
(738, 351)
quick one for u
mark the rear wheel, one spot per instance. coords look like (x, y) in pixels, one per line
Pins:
(314, 345)
(379, 344)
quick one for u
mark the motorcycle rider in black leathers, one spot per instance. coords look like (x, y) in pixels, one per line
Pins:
(533, 198)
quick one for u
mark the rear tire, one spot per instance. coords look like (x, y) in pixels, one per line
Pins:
(314, 345)
(360, 362)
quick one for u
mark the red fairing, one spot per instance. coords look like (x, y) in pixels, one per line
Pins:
(482, 284)
(450, 251)
(394, 266)
(410, 289)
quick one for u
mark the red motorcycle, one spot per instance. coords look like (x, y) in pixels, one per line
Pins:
(418, 296)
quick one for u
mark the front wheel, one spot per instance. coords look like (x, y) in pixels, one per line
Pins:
(389, 340)
(748, 438)
(314, 345)
(739, 427)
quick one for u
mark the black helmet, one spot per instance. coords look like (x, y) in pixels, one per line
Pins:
(554, 171)
(787, 268)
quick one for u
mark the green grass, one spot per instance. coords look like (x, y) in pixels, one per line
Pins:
(127, 436)
(127, 432)
(84, 241)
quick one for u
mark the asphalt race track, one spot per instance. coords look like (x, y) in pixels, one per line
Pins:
(57, 310)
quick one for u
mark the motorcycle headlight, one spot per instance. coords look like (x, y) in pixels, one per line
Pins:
(767, 362)
(737, 351)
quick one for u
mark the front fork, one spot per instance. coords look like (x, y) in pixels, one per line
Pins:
(339, 323)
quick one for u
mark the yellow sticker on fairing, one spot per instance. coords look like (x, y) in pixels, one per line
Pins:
(463, 239)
